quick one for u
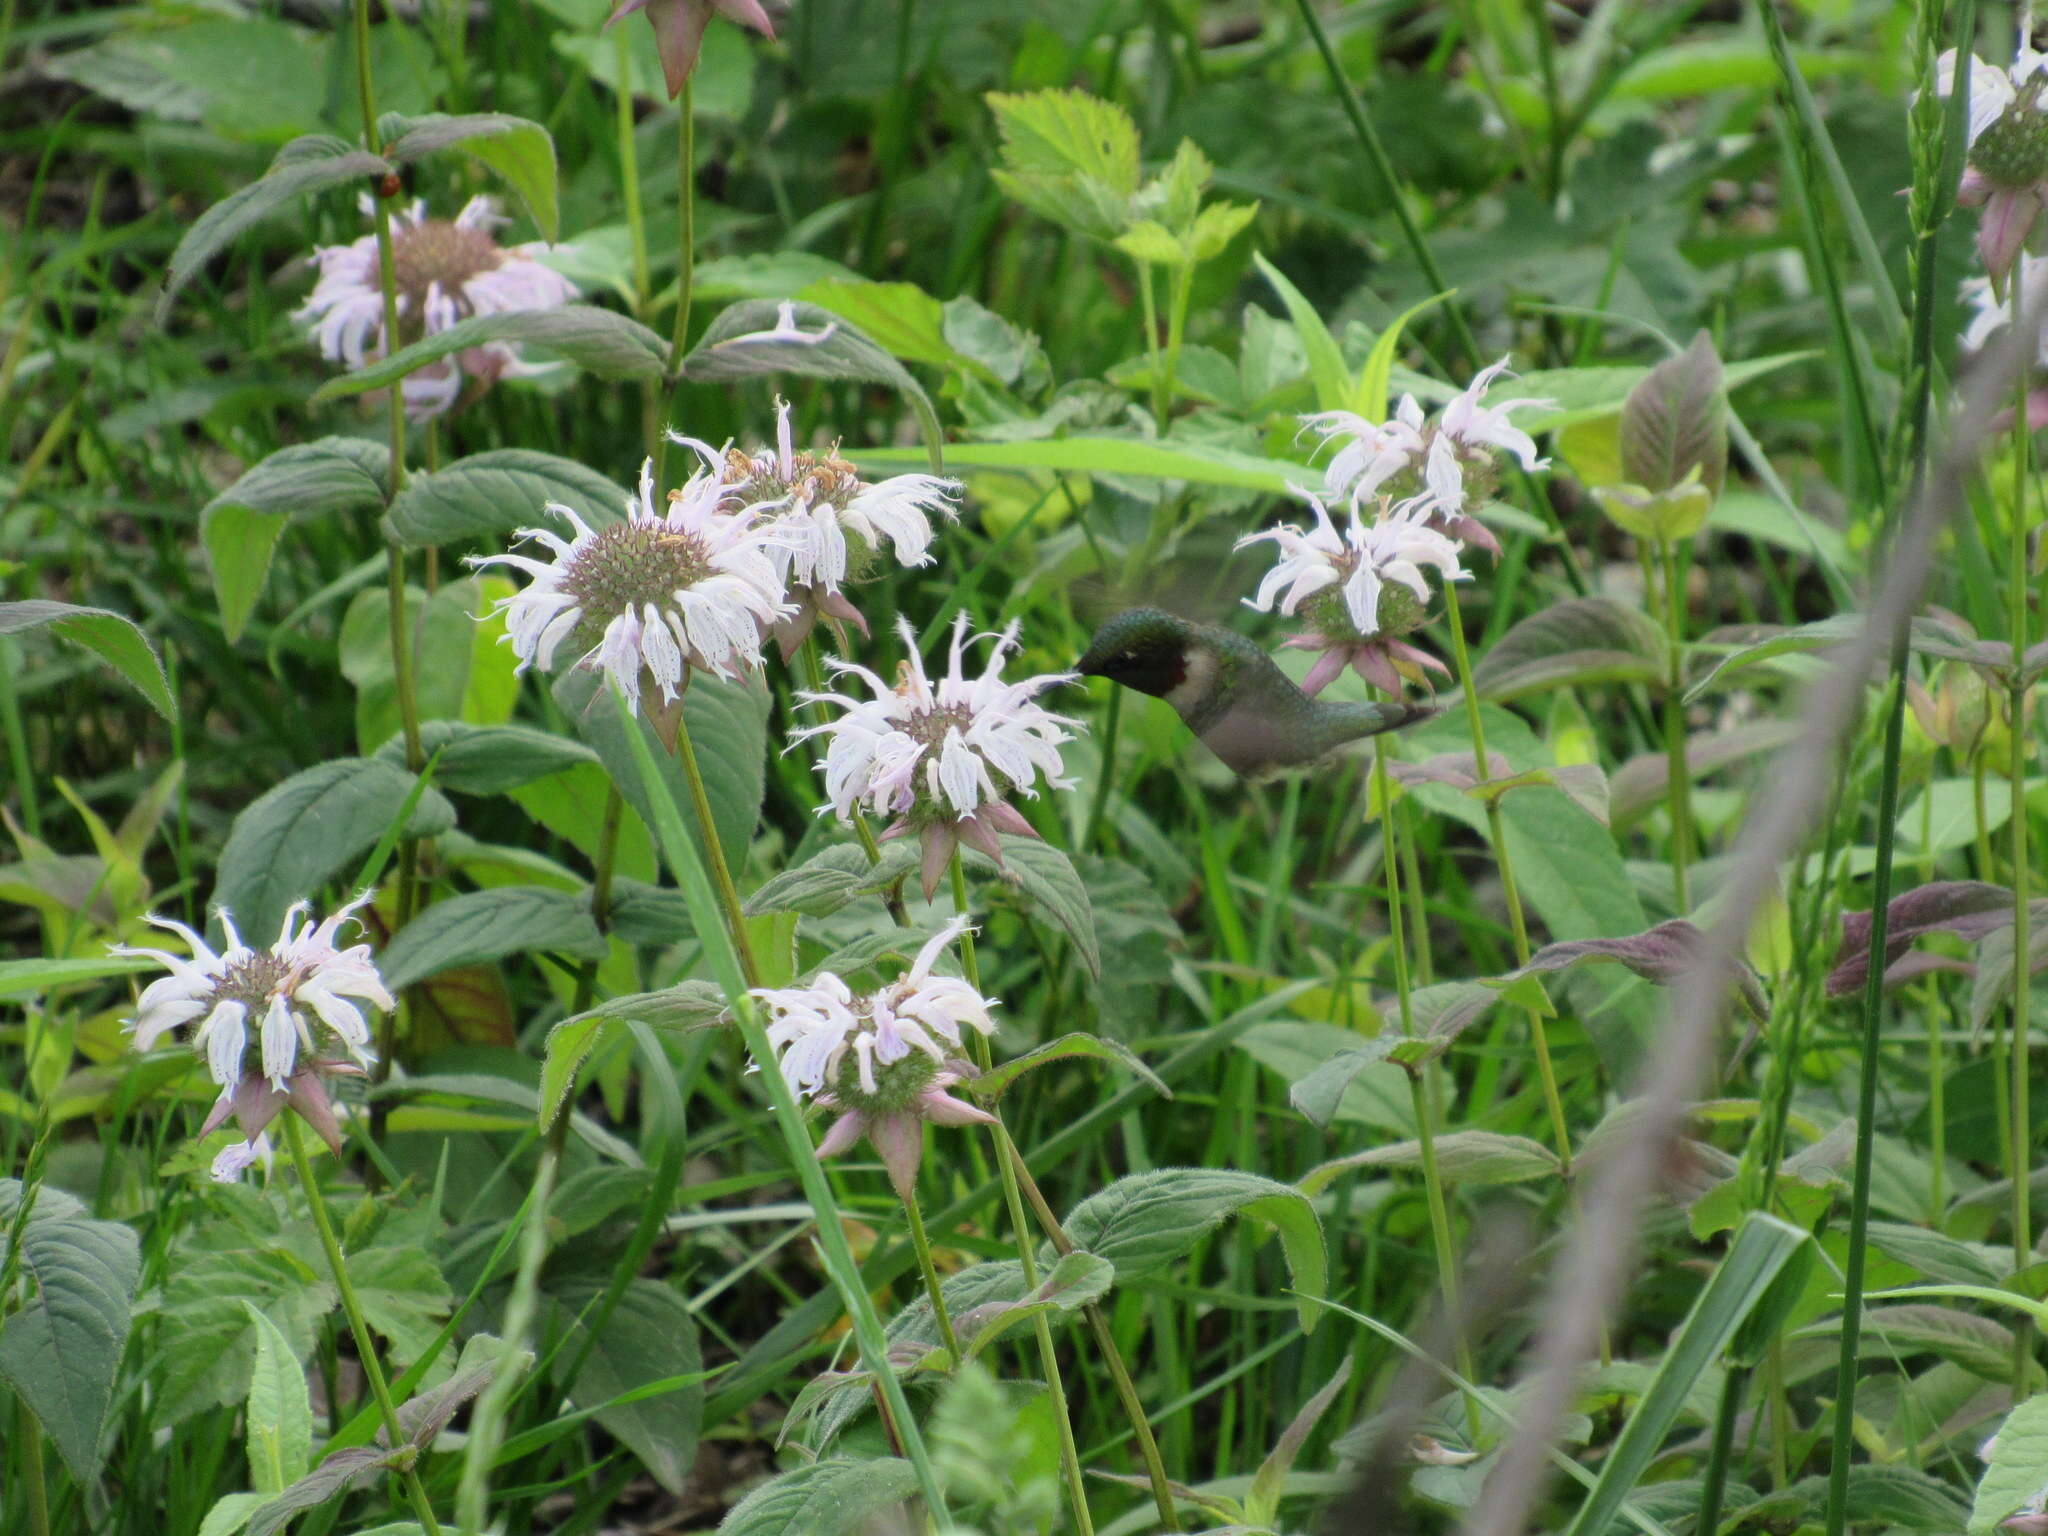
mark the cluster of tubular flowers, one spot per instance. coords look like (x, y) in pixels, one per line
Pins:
(829, 525)
(652, 595)
(271, 1024)
(445, 271)
(883, 1059)
(1358, 590)
(2006, 172)
(942, 759)
(1455, 459)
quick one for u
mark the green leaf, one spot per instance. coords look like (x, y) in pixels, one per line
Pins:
(1926, 637)
(1940, 1256)
(295, 837)
(650, 1336)
(1145, 1221)
(240, 527)
(1262, 1499)
(1070, 157)
(309, 164)
(489, 759)
(335, 1476)
(62, 1350)
(1978, 1344)
(1373, 1094)
(599, 341)
(900, 318)
(1369, 394)
(116, 640)
(1898, 1498)
(826, 1498)
(230, 1512)
(486, 494)
(488, 925)
(520, 152)
(993, 1083)
(688, 1005)
(1196, 463)
(279, 1419)
(1152, 242)
(1048, 877)
(1992, 988)
(1580, 394)
(1216, 226)
(1325, 362)
(831, 878)
(1570, 644)
(1674, 424)
(728, 724)
(1465, 1157)
(27, 978)
(2018, 1468)
(1076, 1280)
(1761, 1249)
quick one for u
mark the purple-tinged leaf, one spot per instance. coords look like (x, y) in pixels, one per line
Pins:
(1570, 644)
(1969, 909)
(332, 1478)
(1667, 954)
(1674, 423)
(992, 1084)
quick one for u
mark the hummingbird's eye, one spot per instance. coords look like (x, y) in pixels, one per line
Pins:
(1130, 656)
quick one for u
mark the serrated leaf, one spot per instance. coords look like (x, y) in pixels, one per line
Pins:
(483, 1358)
(1674, 424)
(689, 1005)
(831, 878)
(489, 759)
(116, 640)
(1570, 644)
(1666, 954)
(650, 1336)
(485, 495)
(309, 164)
(1070, 157)
(826, 1498)
(489, 925)
(993, 1083)
(521, 152)
(1897, 1498)
(279, 1417)
(2018, 1467)
(240, 527)
(1145, 1221)
(900, 318)
(340, 1472)
(296, 836)
(1048, 877)
(1374, 1094)
(1965, 909)
(62, 1350)
(599, 341)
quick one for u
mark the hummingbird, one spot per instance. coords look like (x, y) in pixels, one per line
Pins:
(1231, 694)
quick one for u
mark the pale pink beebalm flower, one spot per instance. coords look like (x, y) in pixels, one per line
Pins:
(651, 596)
(1455, 458)
(942, 759)
(679, 29)
(272, 1024)
(2006, 171)
(883, 1059)
(1359, 589)
(830, 526)
(446, 271)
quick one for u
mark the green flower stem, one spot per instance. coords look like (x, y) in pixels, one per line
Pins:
(487, 1423)
(1105, 1341)
(923, 1248)
(1027, 1260)
(351, 1305)
(1425, 1127)
(1679, 789)
(1715, 1476)
(629, 174)
(686, 220)
(714, 848)
(725, 955)
(600, 897)
(1937, 1111)
(1497, 834)
(1161, 404)
(2018, 567)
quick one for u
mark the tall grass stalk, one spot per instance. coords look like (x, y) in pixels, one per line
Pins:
(714, 906)
(1678, 789)
(2019, 1163)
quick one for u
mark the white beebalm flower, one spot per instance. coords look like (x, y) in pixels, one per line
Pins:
(829, 524)
(1989, 314)
(1359, 589)
(884, 1058)
(270, 1023)
(2006, 173)
(658, 592)
(445, 270)
(1455, 458)
(942, 759)
(1992, 89)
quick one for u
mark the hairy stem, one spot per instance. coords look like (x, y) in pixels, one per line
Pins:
(922, 1245)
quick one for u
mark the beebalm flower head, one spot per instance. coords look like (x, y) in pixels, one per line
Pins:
(446, 271)
(829, 524)
(1455, 458)
(1359, 589)
(2007, 169)
(679, 29)
(884, 1059)
(942, 759)
(271, 1024)
(651, 596)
